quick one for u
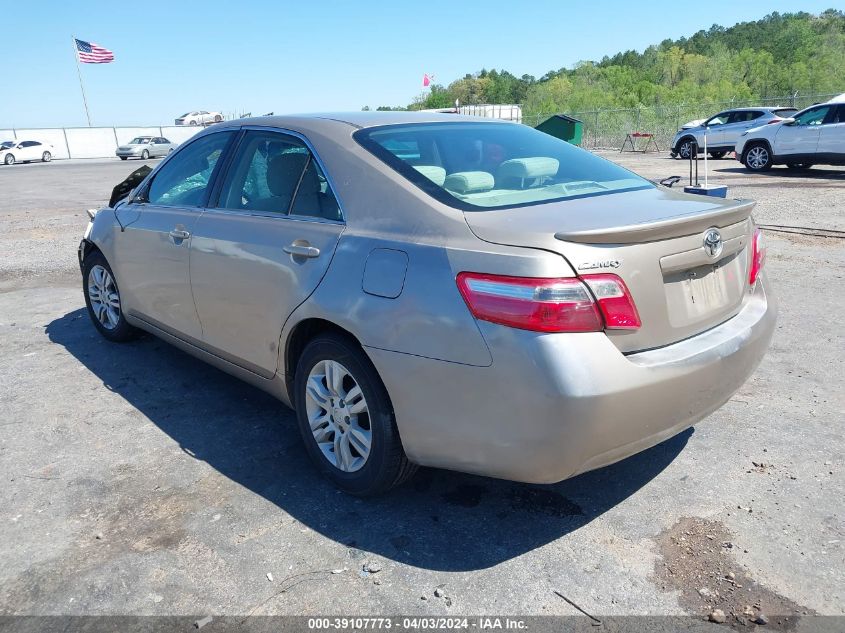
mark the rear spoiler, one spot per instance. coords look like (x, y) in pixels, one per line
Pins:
(664, 228)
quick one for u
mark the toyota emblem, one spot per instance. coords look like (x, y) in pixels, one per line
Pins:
(713, 243)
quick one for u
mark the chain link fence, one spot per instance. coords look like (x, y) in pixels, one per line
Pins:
(607, 128)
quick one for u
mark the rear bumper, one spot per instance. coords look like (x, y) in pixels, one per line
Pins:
(553, 406)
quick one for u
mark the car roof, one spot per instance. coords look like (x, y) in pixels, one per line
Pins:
(363, 119)
(838, 99)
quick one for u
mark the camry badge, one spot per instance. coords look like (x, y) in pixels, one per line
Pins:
(608, 263)
(713, 243)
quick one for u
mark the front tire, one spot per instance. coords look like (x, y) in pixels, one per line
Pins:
(145, 155)
(102, 298)
(192, 123)
(687, 148)
(10, 159)
(346, 418)
(799, 165)
(217, 118)
(717, 155)
(46, 157)
(758, 157)
(123, 157)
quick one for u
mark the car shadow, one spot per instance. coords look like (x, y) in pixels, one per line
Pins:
(440, 520)
(800, 175)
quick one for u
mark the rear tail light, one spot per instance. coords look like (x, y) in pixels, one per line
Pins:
(567, 304)
(615, 301)
(758, 256)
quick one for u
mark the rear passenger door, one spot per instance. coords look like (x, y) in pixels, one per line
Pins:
(737, 124)
(262, 247)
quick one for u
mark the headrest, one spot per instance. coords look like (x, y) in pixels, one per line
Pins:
(469, 181)
(435, 174)
(534, 167)
(283, 172)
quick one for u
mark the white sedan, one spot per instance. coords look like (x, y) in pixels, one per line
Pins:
(199, 117)
(12, 152)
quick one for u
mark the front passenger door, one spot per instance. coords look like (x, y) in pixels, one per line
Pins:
(832, 137)
(263, 248)
(801, 136)
(152, 252)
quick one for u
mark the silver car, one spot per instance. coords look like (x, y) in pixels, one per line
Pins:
(439, 290)
(723, 130)
(144, 147)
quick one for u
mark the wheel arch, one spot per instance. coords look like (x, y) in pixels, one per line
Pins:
(754, 142)
(299, 337)
(685, 137)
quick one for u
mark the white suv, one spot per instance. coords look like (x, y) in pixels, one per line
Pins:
(723, 130)
(813, 136)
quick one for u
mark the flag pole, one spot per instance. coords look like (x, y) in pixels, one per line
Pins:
(79, 72)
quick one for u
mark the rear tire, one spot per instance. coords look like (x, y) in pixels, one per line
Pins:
(329, 370)
(123, 157)
(192, 123)
(102, 298)
(217, 118)
(10, 159)
(46, 157)
(758, 157)
(799, 165)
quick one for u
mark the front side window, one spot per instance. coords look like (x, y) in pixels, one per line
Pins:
(276, 173)
(719, 119)
(485, 165)
(813, 116)
(183, 180)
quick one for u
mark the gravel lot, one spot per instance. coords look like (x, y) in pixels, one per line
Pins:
(137, 480)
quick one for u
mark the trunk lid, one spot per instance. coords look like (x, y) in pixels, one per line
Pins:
(655, 241)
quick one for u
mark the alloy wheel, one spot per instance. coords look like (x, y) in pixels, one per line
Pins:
(338, 416)
(686, 149)
(757, 157)
(104, 297)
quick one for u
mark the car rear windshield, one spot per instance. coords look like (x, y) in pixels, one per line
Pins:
(785, 112)
(487, 165)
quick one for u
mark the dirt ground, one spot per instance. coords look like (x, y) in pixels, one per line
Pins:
(137, 480)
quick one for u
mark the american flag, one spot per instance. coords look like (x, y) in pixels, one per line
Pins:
(90, 53)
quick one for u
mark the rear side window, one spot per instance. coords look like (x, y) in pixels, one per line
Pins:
(183, 180)
(276, 173)
(485, 165)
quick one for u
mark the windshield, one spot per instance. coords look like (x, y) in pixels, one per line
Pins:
(184, 115)
(477, 166)
(140, 140)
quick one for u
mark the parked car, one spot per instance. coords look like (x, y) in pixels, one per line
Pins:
(723, 130)
(18, 151)
(814, 136)
(438, 289)
(199, 117)
(144, 147)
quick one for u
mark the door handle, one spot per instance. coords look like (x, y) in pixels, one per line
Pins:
(302, 250)
(179, 234)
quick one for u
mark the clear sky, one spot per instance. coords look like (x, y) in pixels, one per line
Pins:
(312, 55)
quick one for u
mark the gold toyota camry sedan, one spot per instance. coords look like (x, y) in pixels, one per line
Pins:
(437, 290)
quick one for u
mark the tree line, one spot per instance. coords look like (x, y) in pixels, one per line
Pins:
(778, 55)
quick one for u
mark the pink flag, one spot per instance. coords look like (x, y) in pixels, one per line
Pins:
(426, 80)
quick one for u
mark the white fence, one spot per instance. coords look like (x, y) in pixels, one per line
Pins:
(94, 142)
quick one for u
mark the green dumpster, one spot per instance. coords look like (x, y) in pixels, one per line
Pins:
(563, 127)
